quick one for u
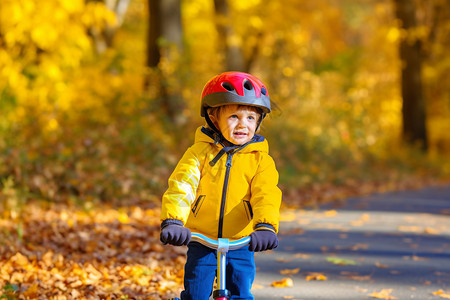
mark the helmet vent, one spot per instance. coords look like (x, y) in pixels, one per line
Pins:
(263, 91)
(228, 86)
(248, 85)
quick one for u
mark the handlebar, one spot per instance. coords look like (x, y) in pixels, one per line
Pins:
(222, 245)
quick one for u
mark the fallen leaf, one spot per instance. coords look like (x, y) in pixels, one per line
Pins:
(330, 213)
(360, 278)
(359, 246)
(301, 255)
(75, 293)
(283, 259)
(316, 276)
(286, 282)
(430, 230)
(383, 294)
(47, 258)
(32, 292)
(417, 258)
(379, 265)
(289, 271)
(123, 218)
(442, 294)
(357, 223)
(341, 261)
(416, 229)
(365, 217)
(19, 260)
(356, 276)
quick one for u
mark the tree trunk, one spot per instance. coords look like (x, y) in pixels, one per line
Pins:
(413, 110)
(165, 38)
(229, 42)
(153, 33)
(171, 27)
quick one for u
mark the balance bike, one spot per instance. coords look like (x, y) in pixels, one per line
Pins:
(222, 246)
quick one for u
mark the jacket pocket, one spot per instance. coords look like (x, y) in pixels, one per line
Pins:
(198, 204)
(248, 209)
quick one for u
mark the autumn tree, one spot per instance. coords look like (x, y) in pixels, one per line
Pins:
(413, 110)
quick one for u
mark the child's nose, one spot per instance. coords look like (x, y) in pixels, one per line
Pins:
(241, 122)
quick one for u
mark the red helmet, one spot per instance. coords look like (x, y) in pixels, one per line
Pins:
(235, 88)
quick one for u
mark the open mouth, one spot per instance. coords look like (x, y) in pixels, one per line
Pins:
(239, 134)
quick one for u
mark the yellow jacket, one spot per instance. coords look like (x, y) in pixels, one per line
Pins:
(228, 199)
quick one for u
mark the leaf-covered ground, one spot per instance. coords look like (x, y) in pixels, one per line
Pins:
(99, 251)
(60, 252)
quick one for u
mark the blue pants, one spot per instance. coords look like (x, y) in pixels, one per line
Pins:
(200, 272)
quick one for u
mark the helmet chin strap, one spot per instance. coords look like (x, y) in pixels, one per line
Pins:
(263, 115)
(218, 137)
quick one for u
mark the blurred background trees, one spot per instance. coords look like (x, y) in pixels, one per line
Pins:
(99, 98)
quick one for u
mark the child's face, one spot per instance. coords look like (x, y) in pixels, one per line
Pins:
(237, 123)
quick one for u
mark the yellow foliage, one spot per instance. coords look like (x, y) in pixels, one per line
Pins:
(332, 68)
(43, 46)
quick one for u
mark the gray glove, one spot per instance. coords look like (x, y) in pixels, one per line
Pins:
(175, 234)
(262, 240)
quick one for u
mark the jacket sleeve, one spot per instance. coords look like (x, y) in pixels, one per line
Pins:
(183, 183)
(266, 196)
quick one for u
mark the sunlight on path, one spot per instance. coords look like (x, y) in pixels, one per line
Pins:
(387, 246)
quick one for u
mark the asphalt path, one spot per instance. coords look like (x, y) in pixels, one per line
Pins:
(392, 246)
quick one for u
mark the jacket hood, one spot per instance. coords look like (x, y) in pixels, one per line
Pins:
(258, 143)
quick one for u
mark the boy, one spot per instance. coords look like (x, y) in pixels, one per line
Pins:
(225, 186)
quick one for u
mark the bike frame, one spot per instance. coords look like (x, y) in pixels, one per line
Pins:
(222, 246)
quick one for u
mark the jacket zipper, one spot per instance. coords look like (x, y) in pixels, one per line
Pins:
(224, 194)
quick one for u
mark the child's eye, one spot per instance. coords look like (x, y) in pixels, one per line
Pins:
(251, 117)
